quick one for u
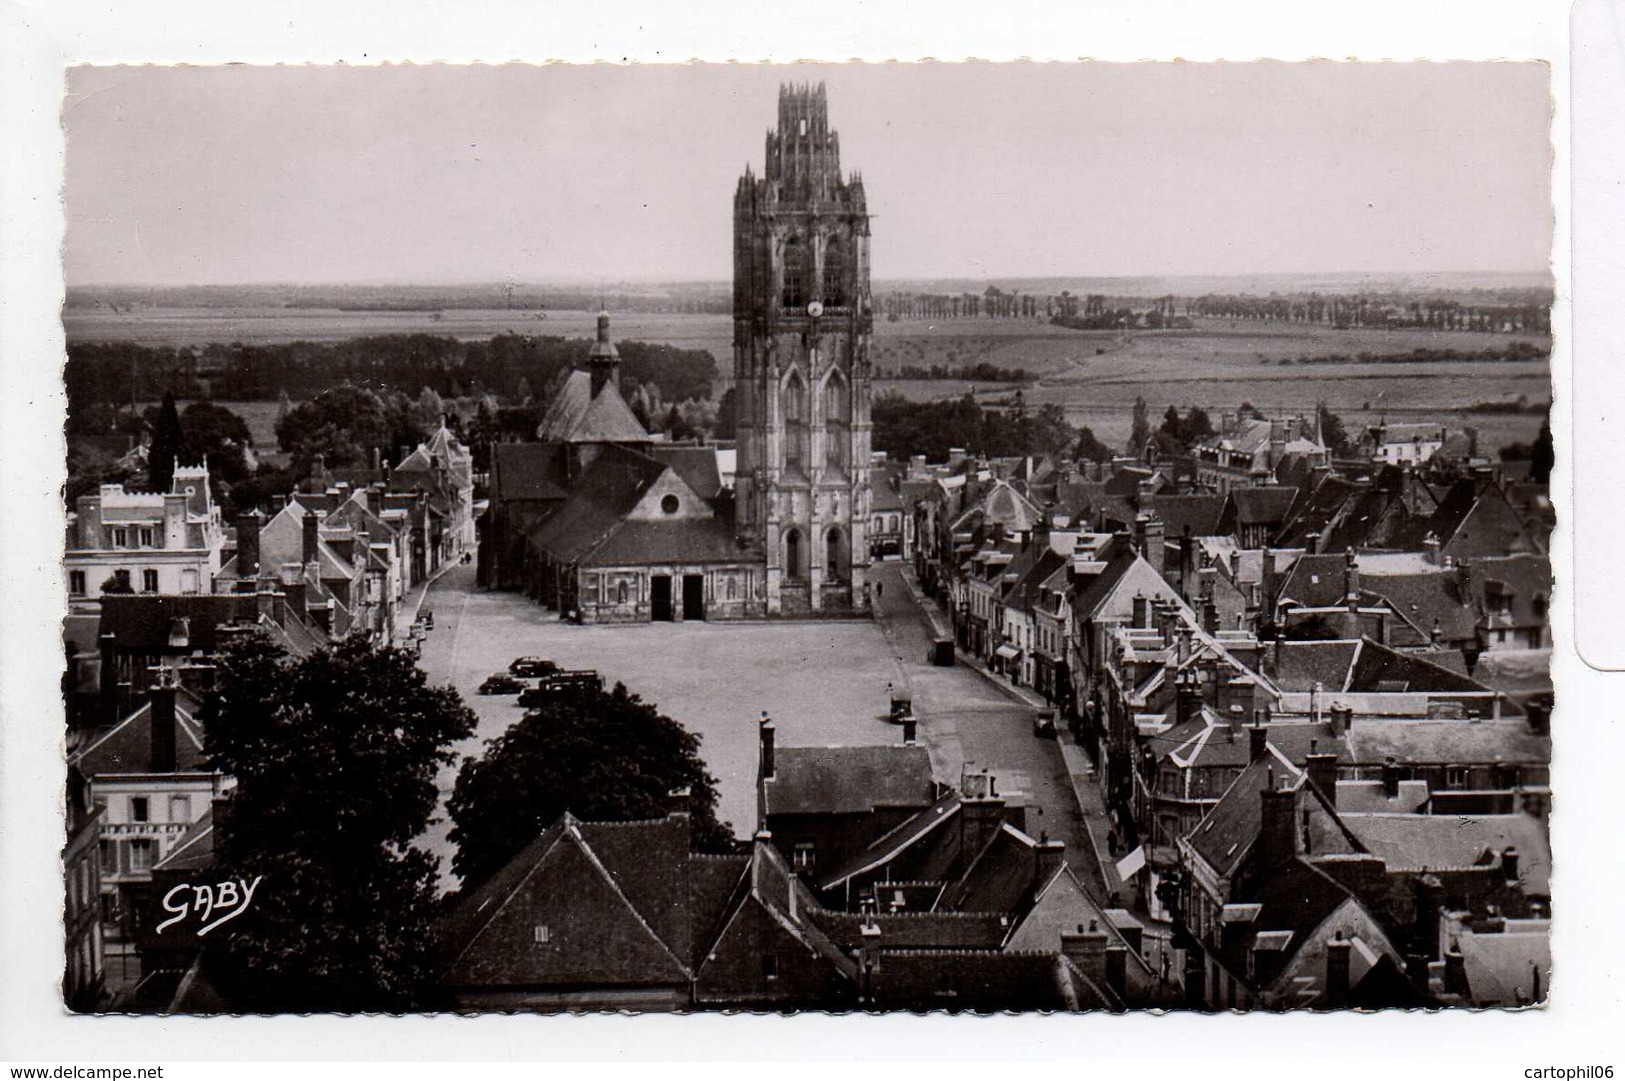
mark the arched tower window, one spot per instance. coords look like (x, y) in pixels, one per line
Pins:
(795, 422)
(795, 273)
(792, 554)
(837, 420)
(834, 272)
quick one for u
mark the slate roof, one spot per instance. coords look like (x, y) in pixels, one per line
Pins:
(999, 877)
(1422, 742)
(1379, 668)
(127, 746)
(528, 471)
(1264, 505)
(195, 849)
(848, 780)
(1501, 967)
(1298, 666)
(141, 622)
(900, 839)
(985, 981)
(1420, 842)
(577, 416)
(1200, 513)
(697, 466)
(919, 930)
(609, 489)
(486, 940)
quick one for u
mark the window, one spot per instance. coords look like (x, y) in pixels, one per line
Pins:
(144, 534)
(795, 273)
(804, 858)
(121, 537)
(76, 583)
(770, 967)
(149, 580)
(541, 934)
(620, 592)
(140, 855)
(1455, 776)
(834, 272)
(795, 422)
(669, 504)
(189, 580)
(180, 808)
(792, 554)
(139, 809)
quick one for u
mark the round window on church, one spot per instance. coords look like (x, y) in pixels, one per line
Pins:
(670, 504)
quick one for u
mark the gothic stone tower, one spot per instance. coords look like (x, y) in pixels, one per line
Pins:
(802, 322)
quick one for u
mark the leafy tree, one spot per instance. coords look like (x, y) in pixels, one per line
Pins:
(342, 425)
(117, 583)
(216, 435)
(601, 755)
(727, 426)
(1090, 448)
(1332, 431)
(168, 446)
(675, 425)
(1543, 456)
(335, 757)
(1048, 431)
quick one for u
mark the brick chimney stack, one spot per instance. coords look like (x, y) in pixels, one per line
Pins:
(1337, 970)
(161, 698)
(1258, 738)
(1277, 837)
(1323, 775)
(766, 731)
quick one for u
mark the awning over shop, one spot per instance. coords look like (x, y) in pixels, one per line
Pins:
(1129, 865)
(1009, 653)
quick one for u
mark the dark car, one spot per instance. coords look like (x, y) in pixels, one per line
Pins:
(1044, 724)
(502, 683)
(426, 617)
(531, 667)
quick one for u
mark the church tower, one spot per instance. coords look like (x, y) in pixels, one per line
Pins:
(802, 323)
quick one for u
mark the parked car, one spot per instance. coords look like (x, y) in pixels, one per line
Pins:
(426, 617)
(502, 683)
(1044, 724)
(531, 667)
(561, 683)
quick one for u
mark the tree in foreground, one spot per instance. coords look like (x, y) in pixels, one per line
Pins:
(601, 755)
(335, 757)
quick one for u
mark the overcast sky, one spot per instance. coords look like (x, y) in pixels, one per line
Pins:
(201, 175)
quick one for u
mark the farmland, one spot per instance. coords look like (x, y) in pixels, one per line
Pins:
(1094, 375)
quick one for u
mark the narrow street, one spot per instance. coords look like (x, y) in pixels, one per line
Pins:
(968, 719)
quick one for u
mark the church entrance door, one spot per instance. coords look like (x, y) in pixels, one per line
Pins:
(693, 596)
(660, 598)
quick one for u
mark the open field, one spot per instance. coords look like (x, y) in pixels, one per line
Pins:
(1094, 375)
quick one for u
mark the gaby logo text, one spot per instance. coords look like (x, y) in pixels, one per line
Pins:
(212, 904)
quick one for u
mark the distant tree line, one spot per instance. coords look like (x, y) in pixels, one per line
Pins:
(1512, 351)
(113, 373)
(1513, 312)
(980, 372)
(903, 428)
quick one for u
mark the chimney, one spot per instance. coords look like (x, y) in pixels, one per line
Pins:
(1277, 835)
(765, 769)
(1048, 856)
(1429, 904)
(910, 727)
(1086, 949)
(980, 817)
(1235, 565)
(109, 678)
(1187, 561)
(1236, 717)
(1267, 583)
(1455, 972)
(1186, 633)
(248, 545)
(1509, 865)
(1464, 578)
(1187, 695)
(1342, 717)
(1416, 971)
(1323, 775)
(1390, 778)
(1430, 545)
(220, 815)
(161, 698)
(1316, 694)
(1258, 739)
(1540, 718)
(1351, 580)
(1142, 610)
(1337, 971)
(310, 536)
(1156, 543)
(1117, 970)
